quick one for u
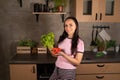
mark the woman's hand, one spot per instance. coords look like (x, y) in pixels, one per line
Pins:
(74, 60)
(53, 53)
(61, 53)
(57, 52)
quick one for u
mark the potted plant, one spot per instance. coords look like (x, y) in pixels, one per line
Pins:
(30, 43)
(110, 44)
(47, 40)
(26, 46)
(60, 5)
(105, 45)
(101, 45)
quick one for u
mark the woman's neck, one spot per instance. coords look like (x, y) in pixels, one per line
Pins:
(70, 36)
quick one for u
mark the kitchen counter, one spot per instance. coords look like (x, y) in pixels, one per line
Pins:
(111, 57)
(89, 57)
(32, 59)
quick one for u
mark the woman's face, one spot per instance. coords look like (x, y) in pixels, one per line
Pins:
(70, 27)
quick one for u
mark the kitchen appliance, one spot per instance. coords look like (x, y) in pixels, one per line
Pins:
(44, 71)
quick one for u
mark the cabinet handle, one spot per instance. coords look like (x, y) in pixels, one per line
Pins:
(96, 16)
(33, 69)
(99, 77)
(100, 16)
(102, 65)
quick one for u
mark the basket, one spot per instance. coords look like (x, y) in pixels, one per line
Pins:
(23, 49)
(42, 50)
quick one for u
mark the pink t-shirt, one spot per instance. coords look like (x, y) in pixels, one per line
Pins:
(61, 62)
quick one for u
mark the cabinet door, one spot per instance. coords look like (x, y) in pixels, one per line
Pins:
(97, 10)
(98, 68)
(98, 77)
(88, 10)
(84, 10)
(23, 72)
(109, 11)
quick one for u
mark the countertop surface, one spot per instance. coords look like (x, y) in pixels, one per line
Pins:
(89, 57)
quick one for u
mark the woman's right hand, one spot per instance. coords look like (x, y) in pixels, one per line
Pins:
(53, 53)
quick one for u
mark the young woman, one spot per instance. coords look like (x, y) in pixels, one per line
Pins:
(72, 51)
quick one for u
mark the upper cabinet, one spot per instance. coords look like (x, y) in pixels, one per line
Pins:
(97, 10)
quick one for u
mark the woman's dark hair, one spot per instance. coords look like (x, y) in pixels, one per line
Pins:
(75, 35)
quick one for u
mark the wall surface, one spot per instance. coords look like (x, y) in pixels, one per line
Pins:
(17, 23)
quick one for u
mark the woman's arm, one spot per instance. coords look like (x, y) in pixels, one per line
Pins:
(75, 61)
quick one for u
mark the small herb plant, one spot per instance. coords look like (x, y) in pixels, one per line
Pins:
(29, 43)
(60, 3)
(110, 43)
(47, 40)
(104, 45)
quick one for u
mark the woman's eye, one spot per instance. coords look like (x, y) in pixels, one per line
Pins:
(66, 25)
(70, 25)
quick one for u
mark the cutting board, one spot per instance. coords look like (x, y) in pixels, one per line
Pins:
(104, 35)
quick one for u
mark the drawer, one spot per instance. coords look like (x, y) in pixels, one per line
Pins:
(98, 77)
(98, 68)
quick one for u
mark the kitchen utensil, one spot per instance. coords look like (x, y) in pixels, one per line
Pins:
(104, 35)
(92, 42)
(96, 36)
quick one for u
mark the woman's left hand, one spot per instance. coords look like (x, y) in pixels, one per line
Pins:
(61, 53)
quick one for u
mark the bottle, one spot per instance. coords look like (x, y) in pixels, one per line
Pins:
(36, 7)
(117, 47)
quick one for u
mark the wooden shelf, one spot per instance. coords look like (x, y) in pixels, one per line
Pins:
(49, 12)
(53, 13)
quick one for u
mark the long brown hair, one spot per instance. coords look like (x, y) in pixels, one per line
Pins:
(75, 35)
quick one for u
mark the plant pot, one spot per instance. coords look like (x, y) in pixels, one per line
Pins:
(42, 50)
(101, 48)
(23, 49)
(60, 8)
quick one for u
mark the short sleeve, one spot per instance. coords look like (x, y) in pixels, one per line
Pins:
(80, 46)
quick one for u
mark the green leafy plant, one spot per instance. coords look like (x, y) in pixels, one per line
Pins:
(110, 43)
(29, 43)
(104, 45)
(60, 3)
(100, 54)
(100, 45)
(47, 40)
